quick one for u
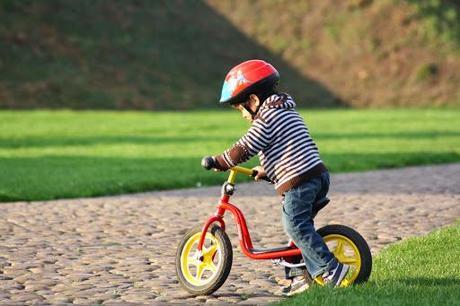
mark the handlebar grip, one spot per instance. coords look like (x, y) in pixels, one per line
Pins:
(208, 162)
(254, 174)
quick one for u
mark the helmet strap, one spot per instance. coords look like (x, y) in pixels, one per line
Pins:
(253, 114)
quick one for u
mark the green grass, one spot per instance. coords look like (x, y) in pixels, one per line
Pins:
(418, 271)
(65, 154)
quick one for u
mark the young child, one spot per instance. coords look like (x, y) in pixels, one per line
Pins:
(288, 157)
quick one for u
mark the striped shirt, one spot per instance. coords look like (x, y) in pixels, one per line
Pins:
(280, 137)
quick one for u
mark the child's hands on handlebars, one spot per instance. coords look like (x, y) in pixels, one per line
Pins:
(260, 173)
(209, 162)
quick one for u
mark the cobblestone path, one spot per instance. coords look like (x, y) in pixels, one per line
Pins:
(121, 249)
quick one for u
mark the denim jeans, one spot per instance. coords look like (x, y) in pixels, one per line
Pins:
(298, 224)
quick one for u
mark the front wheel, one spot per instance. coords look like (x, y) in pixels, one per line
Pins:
(202, 274)
(350, 248)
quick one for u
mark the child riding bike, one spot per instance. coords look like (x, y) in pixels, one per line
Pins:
(288, 157)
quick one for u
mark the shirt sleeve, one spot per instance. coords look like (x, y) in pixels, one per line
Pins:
(255, 140)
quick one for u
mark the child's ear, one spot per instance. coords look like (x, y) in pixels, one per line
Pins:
(255, 100)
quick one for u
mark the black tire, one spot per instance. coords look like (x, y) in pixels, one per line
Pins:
(224, 268)
(359, 242)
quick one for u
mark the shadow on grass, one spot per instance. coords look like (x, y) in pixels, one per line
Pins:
(128, 54)
(52, 177)
(43, 142)
(371, 161)
(397, 135)
(443, 18)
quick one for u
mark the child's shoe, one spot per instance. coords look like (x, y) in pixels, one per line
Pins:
(335, 276)
(297, 285)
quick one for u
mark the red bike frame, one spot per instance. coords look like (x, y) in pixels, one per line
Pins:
(243, 234)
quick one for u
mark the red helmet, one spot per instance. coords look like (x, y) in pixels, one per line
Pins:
(246, 78)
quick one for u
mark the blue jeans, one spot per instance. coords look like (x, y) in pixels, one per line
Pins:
(298, 224)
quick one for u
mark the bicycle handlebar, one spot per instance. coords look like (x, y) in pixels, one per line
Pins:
(209, 163)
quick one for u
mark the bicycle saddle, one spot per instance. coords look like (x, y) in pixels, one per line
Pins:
(320, 204)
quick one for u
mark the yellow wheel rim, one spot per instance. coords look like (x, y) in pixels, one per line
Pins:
(346, 252)
(200, 270)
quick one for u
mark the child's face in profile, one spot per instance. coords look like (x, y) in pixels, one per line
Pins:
(244, 113)
(252, 104)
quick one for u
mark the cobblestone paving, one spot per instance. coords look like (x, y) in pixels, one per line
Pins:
(121, 249)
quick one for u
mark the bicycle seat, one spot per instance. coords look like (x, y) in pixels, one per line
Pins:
(320, 204)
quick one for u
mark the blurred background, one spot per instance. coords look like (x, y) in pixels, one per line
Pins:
(105, 97)
(169, 55)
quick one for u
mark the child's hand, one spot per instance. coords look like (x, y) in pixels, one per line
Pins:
(215, 164)
(260, 172)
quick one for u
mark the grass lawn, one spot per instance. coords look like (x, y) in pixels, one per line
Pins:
(418, 271)
(64, 154)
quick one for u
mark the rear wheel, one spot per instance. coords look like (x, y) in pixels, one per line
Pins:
(205, 272)
(350, 248)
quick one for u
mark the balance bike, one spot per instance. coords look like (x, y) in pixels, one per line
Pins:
(204, 255)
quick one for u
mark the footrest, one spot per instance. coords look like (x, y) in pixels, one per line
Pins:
(284, 248)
